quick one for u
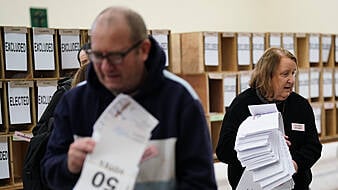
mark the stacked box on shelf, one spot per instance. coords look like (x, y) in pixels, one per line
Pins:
(273, 39)
(327, 50)
(314, 50)
(327, 84)
(69, 43)
(21, 107)
(302, 50)
(199, 82)
(302, 83)
(16, 53)
(258, 46)
(243, 80)
(288, 42)
(315, 75)
(200, 52)
(330, 121)
(44, 49)
(243, 51)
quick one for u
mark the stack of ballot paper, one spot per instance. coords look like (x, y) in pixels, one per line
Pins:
(262, 149)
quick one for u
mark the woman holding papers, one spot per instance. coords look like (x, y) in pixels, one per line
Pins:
(272, 81)
(125, 61)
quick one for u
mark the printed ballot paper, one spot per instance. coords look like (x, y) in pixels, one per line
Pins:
(121, 134)
(262, 150)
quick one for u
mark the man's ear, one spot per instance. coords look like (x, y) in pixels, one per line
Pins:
(145, 49)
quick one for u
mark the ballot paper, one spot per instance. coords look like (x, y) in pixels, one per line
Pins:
(262, 150)
(121, 133)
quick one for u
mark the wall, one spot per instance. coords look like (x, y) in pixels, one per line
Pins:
(187, 15)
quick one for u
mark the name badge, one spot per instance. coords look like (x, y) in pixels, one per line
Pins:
(298, 127)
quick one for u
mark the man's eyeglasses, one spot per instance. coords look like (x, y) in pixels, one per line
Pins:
(112, 57)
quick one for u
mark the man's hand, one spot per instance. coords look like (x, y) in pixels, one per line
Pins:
(77, 153)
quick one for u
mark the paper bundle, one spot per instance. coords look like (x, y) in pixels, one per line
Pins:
(262, 149)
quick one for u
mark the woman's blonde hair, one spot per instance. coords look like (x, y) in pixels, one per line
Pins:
(265, 69)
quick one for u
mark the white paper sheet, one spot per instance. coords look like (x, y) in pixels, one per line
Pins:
(314, 78)
(124, 122)
(243, 49)
(314, 48)
(275, 40)
(303, 85)
(15, 51)
(230, 86)
(326, 46)
(70, 45)
(257, 47)
(162, 39)
(288, 42)
(19, 104)
(4, 161)
(211, 50)
(45, 94)
(327, 83)
(43, 48)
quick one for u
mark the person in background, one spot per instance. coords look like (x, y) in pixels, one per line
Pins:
(272, 81)
(83, 60)
(124, 59)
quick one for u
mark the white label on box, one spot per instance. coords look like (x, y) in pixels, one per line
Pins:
(314, 48)
(70, 45)
(229, 89)
(244, 81)
(314, 88)
(327, 83)
(19, 105)
(43, 49)
(304, 84)
(275, 40)
(15, 51)
(162, 39)
(257, 48)
(288, 43)
(326, 46)
(4, 158)
(45, 94)
(211, 50)
(243, 49)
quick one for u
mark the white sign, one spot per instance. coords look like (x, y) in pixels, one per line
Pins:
(314, 78)
(16, 51)
(314, 48)
(162, 39)
(19, 105)
(229, 89)
(70, 45)
(275, 40)
(4, 158)
(243, 49)
(327, 83)
(304, 86)
(124, 122)
(211, 50)
(288, 43)
(257, 47)
(43, 48)
(326, 46)
(45, 94)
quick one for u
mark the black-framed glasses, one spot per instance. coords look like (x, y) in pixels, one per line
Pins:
(112, 57)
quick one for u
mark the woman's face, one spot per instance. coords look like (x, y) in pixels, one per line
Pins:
(284, 78)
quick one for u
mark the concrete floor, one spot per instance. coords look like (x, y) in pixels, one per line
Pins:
(325, 171)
